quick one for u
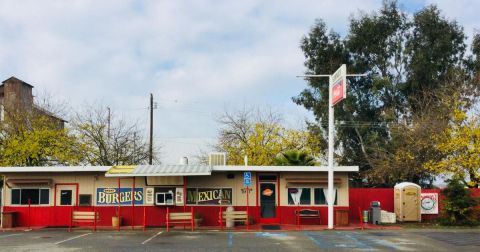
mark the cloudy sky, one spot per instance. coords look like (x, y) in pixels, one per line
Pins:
(197, 57)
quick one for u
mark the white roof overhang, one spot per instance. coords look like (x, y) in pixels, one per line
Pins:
(284, 168)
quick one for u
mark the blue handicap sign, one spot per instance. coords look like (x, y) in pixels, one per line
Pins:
(247, 178)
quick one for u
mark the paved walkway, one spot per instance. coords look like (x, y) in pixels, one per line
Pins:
(158, 239)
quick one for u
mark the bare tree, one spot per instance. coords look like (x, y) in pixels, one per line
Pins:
(110, 140)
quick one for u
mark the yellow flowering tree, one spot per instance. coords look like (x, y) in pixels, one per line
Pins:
(261, 137)
(36, 140)
(460, 144)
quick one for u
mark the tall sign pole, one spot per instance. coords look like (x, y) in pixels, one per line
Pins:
(150, 147)
(331, 147)
(337, 91)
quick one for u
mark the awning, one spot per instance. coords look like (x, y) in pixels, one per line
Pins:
(26, 182)
(160, 171)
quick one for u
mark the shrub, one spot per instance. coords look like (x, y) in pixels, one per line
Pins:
(459, 205)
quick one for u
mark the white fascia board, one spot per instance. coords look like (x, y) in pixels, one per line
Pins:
(54, 169)
(156, 175)
(284, 168)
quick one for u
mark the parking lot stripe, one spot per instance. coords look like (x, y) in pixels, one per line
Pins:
(149, 239)
(72, 238)
(230, 239)
(3, 236)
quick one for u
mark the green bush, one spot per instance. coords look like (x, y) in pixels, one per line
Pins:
(459, 206)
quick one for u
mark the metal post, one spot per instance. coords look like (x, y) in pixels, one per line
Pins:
(144, 217)
(118, 195)
(248, 207)
(330, 154)
(150, 147)
(133, 203)
(29, 217)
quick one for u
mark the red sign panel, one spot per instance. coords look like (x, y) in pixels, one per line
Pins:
(338, 92)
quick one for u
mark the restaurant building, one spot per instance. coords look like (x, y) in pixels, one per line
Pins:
(140, 195)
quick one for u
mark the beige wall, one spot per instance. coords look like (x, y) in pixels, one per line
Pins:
(88, 182)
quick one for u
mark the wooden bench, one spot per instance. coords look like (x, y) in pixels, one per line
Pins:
(180, 218)
(235, 216)
(306, 214)
(84, 217)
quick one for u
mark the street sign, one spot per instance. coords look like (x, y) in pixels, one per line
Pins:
(338, 84)
(247, 178)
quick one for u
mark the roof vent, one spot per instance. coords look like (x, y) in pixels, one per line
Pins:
(184, 161)
(217, 158)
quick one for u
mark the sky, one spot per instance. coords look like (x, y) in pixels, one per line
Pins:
(198, 58)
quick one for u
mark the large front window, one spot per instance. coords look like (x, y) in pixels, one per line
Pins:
(304, 195)
(34, 196)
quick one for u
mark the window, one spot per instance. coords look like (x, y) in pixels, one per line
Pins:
(20, 196)
(66, 197)
(300, 196)
(164, 198)
(319, 195)
(85, 200)
(303, 196)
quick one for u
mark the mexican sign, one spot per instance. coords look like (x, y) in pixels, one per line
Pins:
(429, 203)
(338, 85)
(247, 178)
(209, 196)
(109, 196)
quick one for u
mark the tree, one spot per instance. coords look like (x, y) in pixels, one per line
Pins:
(458, 205)
(29, 137)
(411, 63)
(108, 140)
(260, 136)
(294, 158)
(460, 145)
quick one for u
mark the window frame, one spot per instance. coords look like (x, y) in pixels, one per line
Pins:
(312, 196)
(30, 188)
(71, 197)
(164, 199)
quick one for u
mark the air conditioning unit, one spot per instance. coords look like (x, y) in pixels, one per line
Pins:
(217, 158)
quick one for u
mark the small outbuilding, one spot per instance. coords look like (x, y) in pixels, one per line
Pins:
(407, 201)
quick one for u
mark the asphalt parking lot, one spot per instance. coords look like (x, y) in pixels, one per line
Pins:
(159, 240)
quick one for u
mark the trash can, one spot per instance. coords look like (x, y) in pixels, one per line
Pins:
(365, 214)
(375, 212)
(229, 222)
(8, 219)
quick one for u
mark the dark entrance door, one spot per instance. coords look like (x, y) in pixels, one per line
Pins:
(267, 200)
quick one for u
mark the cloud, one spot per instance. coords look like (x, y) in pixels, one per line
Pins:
(196, 57)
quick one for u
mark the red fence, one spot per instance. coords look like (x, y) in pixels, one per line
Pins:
(361, 197)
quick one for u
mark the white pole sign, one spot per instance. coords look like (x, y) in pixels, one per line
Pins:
(339, 85)
(338, 80)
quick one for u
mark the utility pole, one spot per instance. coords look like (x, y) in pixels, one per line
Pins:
(134, 147)
(338, 82)
(108, 122)
(150, 150)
